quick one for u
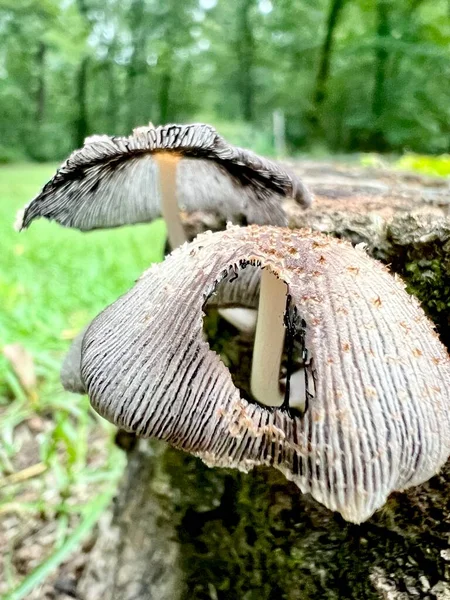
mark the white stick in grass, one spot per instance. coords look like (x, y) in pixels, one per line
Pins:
(167, 163)
(269, 340)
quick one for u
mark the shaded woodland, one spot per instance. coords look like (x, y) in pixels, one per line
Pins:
(348, 75)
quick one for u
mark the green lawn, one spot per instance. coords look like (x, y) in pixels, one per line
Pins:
(52, 282)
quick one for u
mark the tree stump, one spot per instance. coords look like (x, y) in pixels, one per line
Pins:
(180, 530)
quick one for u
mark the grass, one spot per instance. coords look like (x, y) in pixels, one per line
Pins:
(52, 282)
(427, 165)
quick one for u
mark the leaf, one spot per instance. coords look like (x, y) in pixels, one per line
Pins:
(22, 364)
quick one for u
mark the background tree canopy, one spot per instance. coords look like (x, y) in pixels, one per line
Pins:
(349, 75)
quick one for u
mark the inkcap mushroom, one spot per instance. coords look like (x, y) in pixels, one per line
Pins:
(378, 415)
(114, 181)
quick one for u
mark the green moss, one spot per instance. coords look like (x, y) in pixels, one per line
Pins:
(255, 537)
(420, 252)
(429, 280)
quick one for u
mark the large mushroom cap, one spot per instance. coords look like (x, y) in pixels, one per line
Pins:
(113, 181)
(380, 417)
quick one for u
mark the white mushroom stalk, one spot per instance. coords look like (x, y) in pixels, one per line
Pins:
(269, 340)
(167, 164)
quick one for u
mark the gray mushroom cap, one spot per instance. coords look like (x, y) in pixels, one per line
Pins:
(380, 417)
(113, 181)
(71, 368)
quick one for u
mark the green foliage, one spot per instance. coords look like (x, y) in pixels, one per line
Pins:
(9, 155)
(243, 134)
(69, 69)
(430, 165)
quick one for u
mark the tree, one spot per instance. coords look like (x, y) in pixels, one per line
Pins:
(246, 57)
(82, 120)
(136, 64)
(326, 50)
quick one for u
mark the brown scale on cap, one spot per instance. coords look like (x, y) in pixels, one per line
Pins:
(114, 181)
(379, 420)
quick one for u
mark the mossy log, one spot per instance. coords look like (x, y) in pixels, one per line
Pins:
(180, 530)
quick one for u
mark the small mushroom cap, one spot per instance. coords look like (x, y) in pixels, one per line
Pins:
(70, 374)
(380, 417)
(113, 181)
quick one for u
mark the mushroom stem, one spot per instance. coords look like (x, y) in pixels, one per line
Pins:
(243, 319)
(167, 165)
(269, 340)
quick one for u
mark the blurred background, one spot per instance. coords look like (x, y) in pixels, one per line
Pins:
(346, 75)
(362, 80)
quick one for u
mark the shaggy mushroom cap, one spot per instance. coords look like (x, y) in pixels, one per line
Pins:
(379, 420)
(113, 181)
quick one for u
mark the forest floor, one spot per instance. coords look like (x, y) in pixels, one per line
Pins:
(59, 466)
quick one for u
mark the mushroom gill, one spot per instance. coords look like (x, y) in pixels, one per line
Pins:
(380, 417)
(114, 181)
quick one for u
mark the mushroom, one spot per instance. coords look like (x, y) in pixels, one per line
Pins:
(269, 339)
(114, 181)
(379, 419)
(70, 374)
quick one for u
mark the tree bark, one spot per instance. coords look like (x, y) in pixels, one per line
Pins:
(326, 53)
(183, 531)
(381, 61)
(135, 66)
(41, 90)
(137, 554)
(246, 52)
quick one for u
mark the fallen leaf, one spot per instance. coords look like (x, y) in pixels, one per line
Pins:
(22, 364)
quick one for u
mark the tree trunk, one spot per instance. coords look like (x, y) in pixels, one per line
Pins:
(164, 89)
(381, 61)
(246, 52)
(182, 531)
(138, 548)
(113, 97)
(137, 29)
(81, 121)
(326, 51)
(40, 92)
